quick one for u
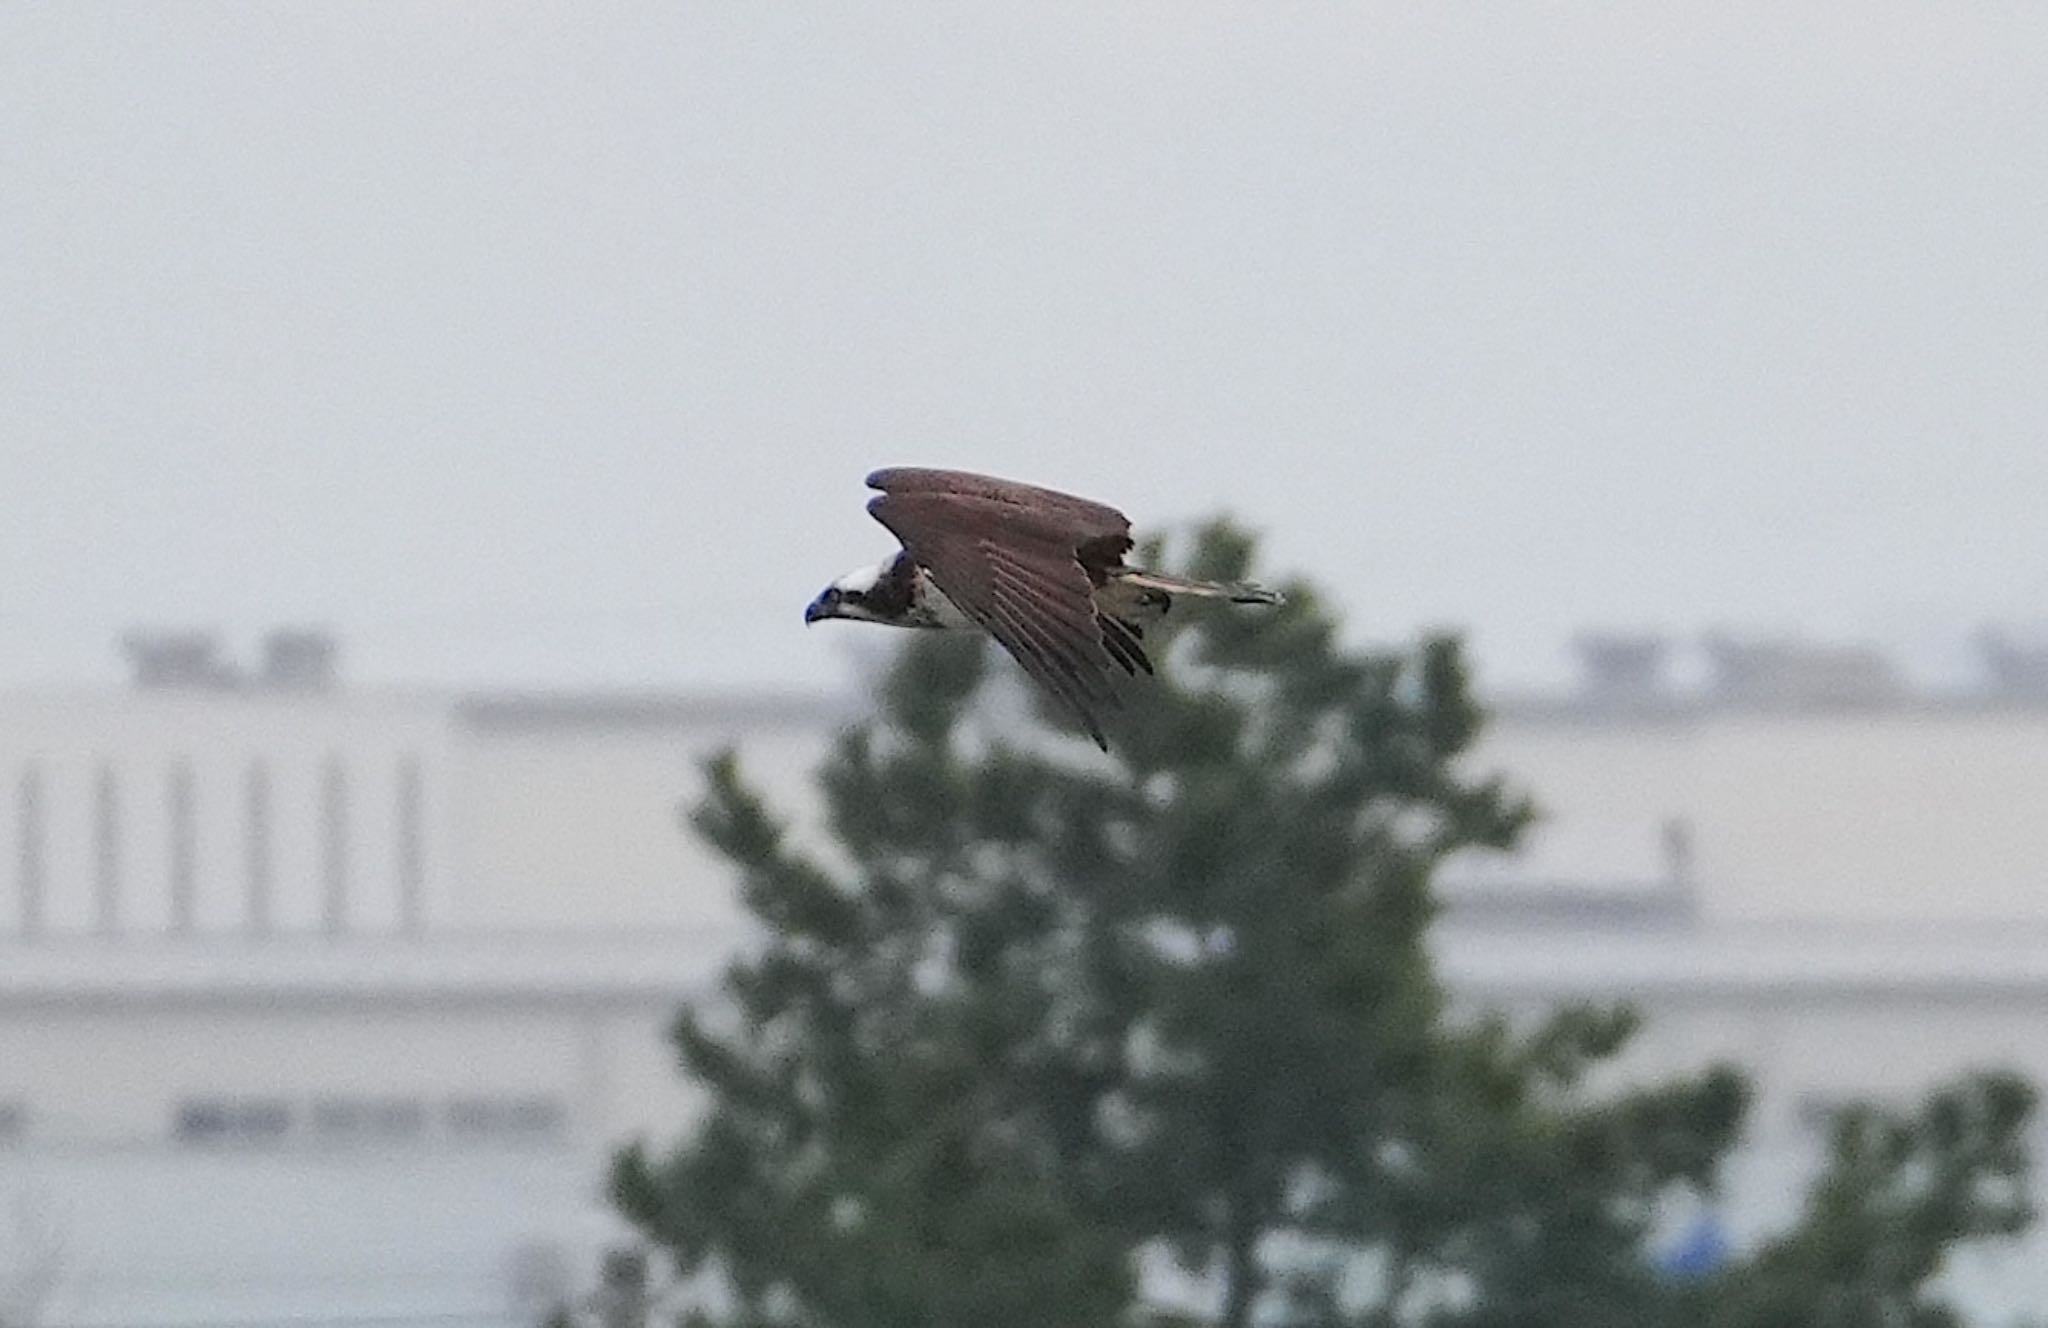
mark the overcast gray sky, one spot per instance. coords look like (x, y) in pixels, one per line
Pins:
(549, 344)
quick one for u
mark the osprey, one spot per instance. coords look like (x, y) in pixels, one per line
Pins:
(1041, 572)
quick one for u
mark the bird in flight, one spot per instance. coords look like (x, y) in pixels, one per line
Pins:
(1041, 572)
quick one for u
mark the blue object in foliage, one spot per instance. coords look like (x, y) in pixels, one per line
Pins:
(1698, 1253)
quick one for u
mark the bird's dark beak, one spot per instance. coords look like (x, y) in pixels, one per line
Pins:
(821, 607)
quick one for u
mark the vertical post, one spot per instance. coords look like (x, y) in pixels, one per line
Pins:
(1680, 877)
(106, 829)
(180, 802)
(29, 821)
(412, 857)
(334, 846)
(256, 862)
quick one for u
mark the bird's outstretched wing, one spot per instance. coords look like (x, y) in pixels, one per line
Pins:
(1008, 556)
(1089, 522)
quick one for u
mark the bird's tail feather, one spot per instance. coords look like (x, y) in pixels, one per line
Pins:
(1237, 592)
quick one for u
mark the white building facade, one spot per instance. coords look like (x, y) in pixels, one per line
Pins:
(317, 1003)
(328, 1005)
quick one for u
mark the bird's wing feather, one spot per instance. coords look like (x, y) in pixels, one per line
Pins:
(1084, 521)
(1012, 569)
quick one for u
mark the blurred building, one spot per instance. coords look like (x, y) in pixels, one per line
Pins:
(325, 1003)
(319, 1004)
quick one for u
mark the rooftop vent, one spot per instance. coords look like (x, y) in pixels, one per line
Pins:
(166, 659)
(1621, 667)
(1787, 674)
(2013, 669)
(300, 659)
(294, 659)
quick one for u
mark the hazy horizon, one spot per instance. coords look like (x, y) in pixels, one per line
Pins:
(543, 350)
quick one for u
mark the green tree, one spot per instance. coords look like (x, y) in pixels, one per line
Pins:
(1899, 1190)
(1025, 1013)
(900, 1082)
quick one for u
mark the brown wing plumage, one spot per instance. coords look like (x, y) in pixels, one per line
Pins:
(1090, 522)
(1023, 563)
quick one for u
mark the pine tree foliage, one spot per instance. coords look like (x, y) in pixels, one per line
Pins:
(1030, 1013)
(1900, 1189)
(894, 1095)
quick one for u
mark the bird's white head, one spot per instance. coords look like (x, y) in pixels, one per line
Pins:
(849, 597)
